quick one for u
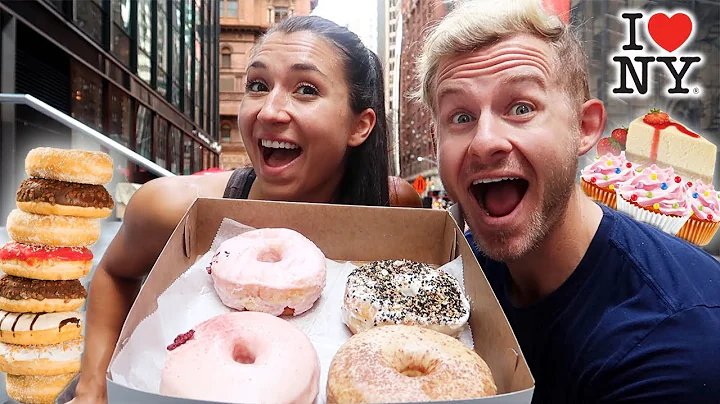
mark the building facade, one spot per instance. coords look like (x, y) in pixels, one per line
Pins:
(389, 41)
(242, 24)
(142, 72)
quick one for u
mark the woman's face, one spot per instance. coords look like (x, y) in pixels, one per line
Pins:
(295, 118)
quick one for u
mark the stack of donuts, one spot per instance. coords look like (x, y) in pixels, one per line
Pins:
(58, 214)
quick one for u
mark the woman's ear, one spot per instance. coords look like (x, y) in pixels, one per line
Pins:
(364, 125)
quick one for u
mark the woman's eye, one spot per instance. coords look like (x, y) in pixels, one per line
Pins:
(256, 86)
(521, 109)
(307, 89)
(461, 118)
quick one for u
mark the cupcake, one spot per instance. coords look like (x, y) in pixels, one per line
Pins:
(655, 196)
(600, 179)
(702, 225)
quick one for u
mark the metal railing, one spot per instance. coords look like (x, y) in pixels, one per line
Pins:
(54, 113)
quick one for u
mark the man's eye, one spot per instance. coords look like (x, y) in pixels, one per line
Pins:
(461, 118)
(521, 109)
(256, 86)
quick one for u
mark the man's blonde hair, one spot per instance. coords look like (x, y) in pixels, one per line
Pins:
(476, 24)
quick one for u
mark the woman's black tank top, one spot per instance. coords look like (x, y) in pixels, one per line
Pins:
(238, 187)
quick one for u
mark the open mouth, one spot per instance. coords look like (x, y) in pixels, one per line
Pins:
(499, 197)
(279, 154)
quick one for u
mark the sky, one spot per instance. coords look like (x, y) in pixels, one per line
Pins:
(359, 16)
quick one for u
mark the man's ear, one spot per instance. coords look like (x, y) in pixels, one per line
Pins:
(364, 125)
(593, 118)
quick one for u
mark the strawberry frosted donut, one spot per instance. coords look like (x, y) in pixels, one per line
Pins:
(276, 271)
(247, 357)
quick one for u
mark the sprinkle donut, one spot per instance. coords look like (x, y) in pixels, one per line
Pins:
(39, 328)
(252, 356)
(51, 230)
(81, 166)
(408, 364)
(45, 263)
(276, 271)
(404, 292)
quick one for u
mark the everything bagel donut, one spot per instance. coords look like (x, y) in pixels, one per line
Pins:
(276, 271)
(52, 197)
(23, 295)
(45, 263)
(39, 328)
(37, 389)
(250, 355)
(41, 360)
(400, 363)
(404, 292)
(50, 230)
(81, 166)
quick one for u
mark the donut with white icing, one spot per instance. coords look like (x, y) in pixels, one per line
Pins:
(39, 328)
(41, 360)
(37, 389)
(404, 292)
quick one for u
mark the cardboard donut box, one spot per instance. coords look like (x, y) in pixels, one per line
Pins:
(343, 233)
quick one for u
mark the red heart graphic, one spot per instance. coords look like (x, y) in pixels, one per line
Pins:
(670, 32)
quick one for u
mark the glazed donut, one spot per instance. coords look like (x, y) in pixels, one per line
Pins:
(45, 263)
(41, 360)
(23, 295)
(51, 230)
(37, 389)
(276, 271)
(52, 197)
(400, 363)
(404, 292)
(39, 328)
(81, 166)
(250, 355)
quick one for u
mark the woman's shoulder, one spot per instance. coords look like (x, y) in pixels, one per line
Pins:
(402, 194)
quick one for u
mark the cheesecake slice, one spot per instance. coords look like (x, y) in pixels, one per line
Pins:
(657, 139)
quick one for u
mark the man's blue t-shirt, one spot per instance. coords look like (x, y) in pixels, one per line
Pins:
(637, 321)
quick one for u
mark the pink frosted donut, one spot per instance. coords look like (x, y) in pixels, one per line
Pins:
(244, 357)
(276, 271)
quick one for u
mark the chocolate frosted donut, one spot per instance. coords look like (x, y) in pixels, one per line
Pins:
(52, 197)
(404, 292)
(25, 295)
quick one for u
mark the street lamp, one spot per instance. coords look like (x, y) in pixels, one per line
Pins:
(421, 159)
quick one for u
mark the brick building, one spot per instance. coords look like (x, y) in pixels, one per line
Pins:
(242, 23)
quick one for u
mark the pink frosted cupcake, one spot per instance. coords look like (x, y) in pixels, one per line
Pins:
(655, 196)
(600, 179)
(705, 219)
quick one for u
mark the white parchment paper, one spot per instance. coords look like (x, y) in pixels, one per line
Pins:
(191, 299)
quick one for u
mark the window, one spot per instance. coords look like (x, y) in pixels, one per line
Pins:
(197, 157)
(187, 155)
(120, 28)
(175, 150)
(281, 13)
(226, 61)
(143, 130)
(189, 39)
(145, 40)
(162, 48)
(227, 84)
(225, 132)
(119, 107)
(161, 139)
(176, 59)
(89, 17)
(87, 96)
(230, 9)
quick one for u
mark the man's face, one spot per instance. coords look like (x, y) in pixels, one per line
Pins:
(507, 143)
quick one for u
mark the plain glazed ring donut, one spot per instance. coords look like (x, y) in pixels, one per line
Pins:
(400, 363)
(45, 263)
(404, 292)
(276, 271)
(54, 231)
(41, 360)
(81, 166)
(37, 389)
(252, 356)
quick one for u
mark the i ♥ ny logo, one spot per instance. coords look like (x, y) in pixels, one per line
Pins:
(670, 32)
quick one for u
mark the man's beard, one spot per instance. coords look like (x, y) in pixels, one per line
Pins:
(542, 221)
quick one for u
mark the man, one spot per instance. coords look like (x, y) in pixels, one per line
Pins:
(605, 309)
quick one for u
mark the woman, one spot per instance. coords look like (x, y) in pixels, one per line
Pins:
(313, 123)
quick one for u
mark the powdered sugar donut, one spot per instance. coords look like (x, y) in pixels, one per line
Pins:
(37, 389)
(242, 356)
(276, 271)
(81, 166)
(41, 360)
